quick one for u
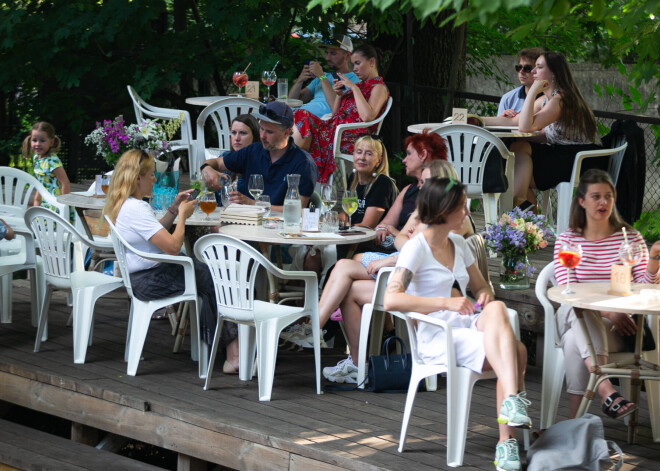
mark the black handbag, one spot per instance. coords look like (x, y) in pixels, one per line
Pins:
(388, 372)
(648, 342)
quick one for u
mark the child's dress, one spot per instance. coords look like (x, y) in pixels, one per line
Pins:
(43, 171)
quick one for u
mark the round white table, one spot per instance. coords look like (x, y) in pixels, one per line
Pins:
(499, 131)
(209, 100)
(595, 296)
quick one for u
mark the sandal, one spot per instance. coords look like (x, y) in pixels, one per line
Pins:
(612, 410)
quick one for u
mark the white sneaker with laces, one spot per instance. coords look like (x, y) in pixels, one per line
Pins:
(308, 342)
(291, 331)
(344, 372)
(301, 334)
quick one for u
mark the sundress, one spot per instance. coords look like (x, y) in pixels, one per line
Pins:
(323, 132)
(43, 171)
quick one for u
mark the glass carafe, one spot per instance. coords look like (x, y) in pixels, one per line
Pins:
(292, 205)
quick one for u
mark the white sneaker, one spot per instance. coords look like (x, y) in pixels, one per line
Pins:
(344, 372)
(308, 342)
(292, 330)
(301, 334)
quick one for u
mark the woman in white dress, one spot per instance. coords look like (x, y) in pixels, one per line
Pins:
(427, 268)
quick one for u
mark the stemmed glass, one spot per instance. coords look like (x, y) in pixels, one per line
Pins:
(240, 79)
(349, 204)
(256, 185)
(569, 256)
(328, 197)
(268, 78)
(207, 204)
(630, 253)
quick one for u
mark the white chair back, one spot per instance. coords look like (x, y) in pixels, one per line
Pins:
(18, 188)
(221, 113)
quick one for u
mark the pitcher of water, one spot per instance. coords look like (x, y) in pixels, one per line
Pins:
(292, 205)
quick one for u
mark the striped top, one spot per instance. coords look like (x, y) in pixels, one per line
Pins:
(598, 256)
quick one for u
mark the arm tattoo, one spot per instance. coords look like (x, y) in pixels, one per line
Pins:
(396, 286)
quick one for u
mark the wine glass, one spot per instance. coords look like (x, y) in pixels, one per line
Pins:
(569, 256)
(268, 78)
(263, 201)
(240, 79)
(349, 204)
(207, 204)
(328, 196)
(256, 185)
(630, 253)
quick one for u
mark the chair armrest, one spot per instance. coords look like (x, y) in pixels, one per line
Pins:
(339, 130)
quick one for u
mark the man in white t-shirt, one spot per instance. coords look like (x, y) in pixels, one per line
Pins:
(319, 96)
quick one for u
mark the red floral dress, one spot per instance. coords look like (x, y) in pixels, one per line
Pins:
(323, 132)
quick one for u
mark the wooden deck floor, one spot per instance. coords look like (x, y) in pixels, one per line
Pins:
(165, 404)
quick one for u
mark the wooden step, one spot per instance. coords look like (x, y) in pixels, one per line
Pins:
(28, 449)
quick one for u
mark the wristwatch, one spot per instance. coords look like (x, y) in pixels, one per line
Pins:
(657, 257)
(201, 167)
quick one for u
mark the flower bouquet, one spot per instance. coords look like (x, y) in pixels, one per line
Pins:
(515, 235)
(113, 138)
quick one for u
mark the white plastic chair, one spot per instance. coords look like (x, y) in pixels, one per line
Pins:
(339, 131)
(653, 387)
(141, 311)
(56, 238)
(16, 194)
(460, 382)
(469, 148)
(143, 109)
(554, 368)
(565, 189)
(234, 266)
(221, 113)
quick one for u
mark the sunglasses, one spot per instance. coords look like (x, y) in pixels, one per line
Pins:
(270, 114)
(373, 136)
(525, 68)
(143, 155)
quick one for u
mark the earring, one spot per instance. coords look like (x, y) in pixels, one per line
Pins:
(374, 174)
(353, 170)
(553, 79)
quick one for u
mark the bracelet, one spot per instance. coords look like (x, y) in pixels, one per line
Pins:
(172, 212)
(323, 77)
(657, 257)
(201, 167)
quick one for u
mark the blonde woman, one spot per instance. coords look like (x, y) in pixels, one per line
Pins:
(133, 180)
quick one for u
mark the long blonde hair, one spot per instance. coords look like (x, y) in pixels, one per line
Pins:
(131, 164)
(376, 146)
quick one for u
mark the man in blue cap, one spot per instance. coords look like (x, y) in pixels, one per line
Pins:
(274, 157)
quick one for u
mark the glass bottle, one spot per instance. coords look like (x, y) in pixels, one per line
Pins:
(292, 205)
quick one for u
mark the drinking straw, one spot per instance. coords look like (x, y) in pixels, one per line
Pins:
(248, 66)
(625, 236)
(274, 67)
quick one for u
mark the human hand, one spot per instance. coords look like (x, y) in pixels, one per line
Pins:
(509, 114)
(182, 196)
(484, 298)
(622, 323)
(186, 209)
(315, 69)
(343, 85)
(375, 265)
(305, 74)
(462, 305)
(538, 86)
(382, 231)
(210, 177)
(239, 198)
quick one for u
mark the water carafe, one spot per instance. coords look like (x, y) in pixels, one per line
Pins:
(292, 205)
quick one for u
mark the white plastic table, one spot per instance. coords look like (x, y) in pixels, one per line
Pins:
(499, 131)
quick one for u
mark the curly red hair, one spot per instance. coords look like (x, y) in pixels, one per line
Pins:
(430, 142)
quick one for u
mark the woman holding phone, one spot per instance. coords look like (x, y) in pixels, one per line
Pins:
(354, 103)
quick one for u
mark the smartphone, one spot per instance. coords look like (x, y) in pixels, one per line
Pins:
(308, 61)
(335, 76)
(194, 195)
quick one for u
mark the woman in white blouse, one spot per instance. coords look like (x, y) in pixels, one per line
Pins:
(427, 268)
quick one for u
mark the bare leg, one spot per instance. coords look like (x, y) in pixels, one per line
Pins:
(301, 142)
(504, 354)
(522, 171)
(360, 294)
(338, 285)
(232, 353)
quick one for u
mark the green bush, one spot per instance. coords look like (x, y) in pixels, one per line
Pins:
(649, 225)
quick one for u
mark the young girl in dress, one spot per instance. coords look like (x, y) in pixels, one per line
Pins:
(44, 145)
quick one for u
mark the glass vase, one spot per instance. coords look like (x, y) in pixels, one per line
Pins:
(513, 272)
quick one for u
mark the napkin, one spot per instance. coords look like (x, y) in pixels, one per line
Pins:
(244, 208)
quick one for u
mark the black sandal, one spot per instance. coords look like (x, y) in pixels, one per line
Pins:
(611, 409)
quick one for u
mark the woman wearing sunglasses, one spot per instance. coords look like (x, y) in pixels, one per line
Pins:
(568, 126)
(355, 102)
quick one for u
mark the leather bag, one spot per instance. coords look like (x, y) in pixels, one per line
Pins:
(389, 372)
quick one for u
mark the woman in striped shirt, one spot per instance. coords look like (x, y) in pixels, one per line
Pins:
(595, 224)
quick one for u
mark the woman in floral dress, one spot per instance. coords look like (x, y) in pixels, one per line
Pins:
(356, 102)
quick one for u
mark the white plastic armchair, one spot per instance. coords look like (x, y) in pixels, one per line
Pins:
(339, 131)
(16, 194)
(554, 368)
(565, 189)
(469, 148)
(234, 266)
(221, 113)
(460, 382)
(141, 311)
(144, 110)
(56, 238)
